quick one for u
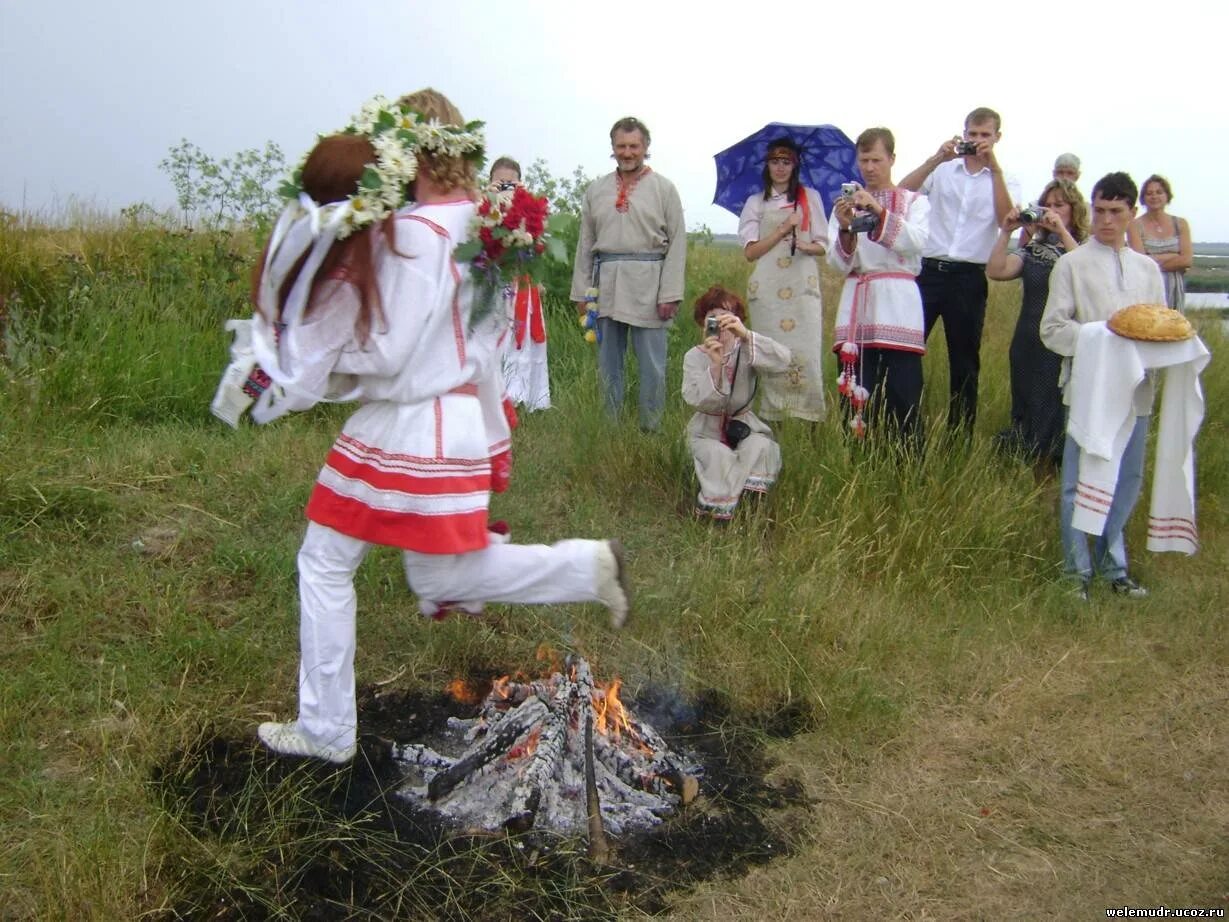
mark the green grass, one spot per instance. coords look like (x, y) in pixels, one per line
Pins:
(981, 749)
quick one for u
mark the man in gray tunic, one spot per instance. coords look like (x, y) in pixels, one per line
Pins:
(633, 250)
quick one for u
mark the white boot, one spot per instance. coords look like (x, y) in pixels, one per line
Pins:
(612, 588)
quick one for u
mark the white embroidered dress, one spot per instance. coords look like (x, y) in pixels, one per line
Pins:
(725, 473)
(523, 346)
(785, 302)
(412, 467)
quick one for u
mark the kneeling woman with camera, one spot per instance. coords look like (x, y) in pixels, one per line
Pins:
(734, 450)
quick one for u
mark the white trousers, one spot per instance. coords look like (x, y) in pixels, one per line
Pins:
(534, 573)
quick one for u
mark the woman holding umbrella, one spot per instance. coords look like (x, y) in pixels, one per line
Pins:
(783, 230)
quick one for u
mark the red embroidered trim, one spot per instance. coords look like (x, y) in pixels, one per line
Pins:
(427, 221)
(1173, 528)
(409, 482)
(439, 429)
(627, 187)
(398, 459)
(456, 533)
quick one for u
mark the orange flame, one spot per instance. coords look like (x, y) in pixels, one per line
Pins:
(463, 691)
(527, 748)
(611, 717)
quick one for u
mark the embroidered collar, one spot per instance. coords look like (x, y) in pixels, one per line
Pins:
(627, 187)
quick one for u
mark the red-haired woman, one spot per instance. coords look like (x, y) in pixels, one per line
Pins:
(385, 314)
(733, 450)
(782, 231)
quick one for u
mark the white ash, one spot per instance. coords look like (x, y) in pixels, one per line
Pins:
(520, 763)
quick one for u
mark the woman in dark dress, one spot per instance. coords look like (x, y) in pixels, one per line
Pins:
(1037, 415)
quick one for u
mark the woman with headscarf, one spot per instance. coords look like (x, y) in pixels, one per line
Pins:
(783, 230)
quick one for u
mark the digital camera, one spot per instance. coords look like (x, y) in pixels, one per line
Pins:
(862, 223)
(1031, 214)
(848, 189)
(964, 148)
(711, 327)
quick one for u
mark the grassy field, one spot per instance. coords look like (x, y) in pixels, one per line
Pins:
(979, 749)
(1208, 274)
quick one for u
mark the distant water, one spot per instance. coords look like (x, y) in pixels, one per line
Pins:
(1208, 300)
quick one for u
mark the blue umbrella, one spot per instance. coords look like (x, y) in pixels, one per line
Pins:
(828, 159)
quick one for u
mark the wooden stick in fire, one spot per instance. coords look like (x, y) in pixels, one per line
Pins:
(599, 848)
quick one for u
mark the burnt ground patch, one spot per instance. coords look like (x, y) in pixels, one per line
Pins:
(275, 838)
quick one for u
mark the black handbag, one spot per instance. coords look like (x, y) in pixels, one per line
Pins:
(735, 431)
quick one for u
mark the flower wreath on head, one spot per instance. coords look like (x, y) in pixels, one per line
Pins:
(302, 237)
(398, 133)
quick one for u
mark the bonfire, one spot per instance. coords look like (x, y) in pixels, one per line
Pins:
(560, 754)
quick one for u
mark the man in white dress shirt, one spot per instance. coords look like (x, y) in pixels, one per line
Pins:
(969, 198)
(1088, 284)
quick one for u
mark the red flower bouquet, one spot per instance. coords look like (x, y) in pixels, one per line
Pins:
(509, 234)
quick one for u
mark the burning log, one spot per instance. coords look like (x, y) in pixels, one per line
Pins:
(561, 754)
(496, 744)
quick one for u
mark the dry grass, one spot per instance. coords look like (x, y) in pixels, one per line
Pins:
(1071, 775)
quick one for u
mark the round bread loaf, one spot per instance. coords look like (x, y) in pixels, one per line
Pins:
(1150, 323)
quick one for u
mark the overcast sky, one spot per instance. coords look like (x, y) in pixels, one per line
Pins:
(95, 93)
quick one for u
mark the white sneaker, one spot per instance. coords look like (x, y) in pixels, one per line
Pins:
(612, 589)
(288, 740)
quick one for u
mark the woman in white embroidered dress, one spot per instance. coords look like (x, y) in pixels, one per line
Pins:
(879, 335)
(385, 313)
(719, 380)
(526, 380)
(782, 231)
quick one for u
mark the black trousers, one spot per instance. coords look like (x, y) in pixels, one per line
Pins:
(894, 379)
(958, 297)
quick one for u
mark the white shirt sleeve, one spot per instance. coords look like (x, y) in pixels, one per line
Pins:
(1014, 189)
(749, 220)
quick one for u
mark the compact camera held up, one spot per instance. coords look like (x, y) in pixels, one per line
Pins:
(966, 148)
(1031, 214)
(712, 327)
(863, 221)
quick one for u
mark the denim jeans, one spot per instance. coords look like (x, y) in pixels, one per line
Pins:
(1109, 557)
(649, 344)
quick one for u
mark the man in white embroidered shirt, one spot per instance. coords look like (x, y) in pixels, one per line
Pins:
(969, 198)
(1088, 284)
